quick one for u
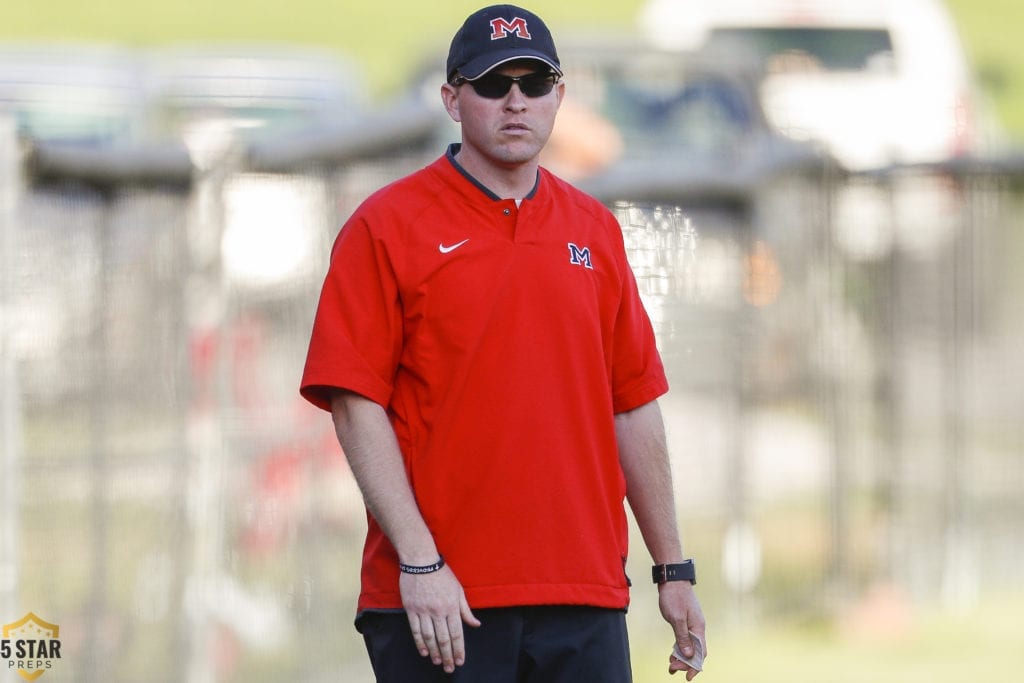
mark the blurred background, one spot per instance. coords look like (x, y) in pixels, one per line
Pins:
(821, 199)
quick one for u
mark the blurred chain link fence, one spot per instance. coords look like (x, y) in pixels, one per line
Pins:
(845, 410)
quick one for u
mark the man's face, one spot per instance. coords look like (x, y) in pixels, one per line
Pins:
(506, 131)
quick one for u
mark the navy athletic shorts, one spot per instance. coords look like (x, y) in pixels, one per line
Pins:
(556, 644)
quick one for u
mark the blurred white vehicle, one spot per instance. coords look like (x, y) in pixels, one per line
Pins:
(877, 81)
(72, 92)
(210, 94)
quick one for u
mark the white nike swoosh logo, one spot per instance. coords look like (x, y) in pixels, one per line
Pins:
(445, 250)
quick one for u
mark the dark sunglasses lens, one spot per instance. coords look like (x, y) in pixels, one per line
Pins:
(537, 85)
(494, 86)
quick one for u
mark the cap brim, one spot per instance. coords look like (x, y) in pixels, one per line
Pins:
(478, 67)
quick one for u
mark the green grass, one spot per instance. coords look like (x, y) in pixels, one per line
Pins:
(990, 30)
(981, 645)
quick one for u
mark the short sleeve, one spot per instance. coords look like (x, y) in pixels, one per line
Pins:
(638, 375)
(357, 331)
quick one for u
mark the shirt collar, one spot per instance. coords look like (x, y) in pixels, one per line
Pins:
(454, 148)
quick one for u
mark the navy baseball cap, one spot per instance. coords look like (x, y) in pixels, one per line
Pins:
(498, 34)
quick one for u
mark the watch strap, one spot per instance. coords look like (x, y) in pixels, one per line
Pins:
(682, 571)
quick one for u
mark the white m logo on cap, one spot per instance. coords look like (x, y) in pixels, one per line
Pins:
(500, 28)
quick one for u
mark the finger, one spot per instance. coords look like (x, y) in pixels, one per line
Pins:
(686, 644)
(467, 613)
(675, 665)
(443, 637)
(417, 635)
(683, 639)
(454, 650)
(690, 673)
(430, 640)
(458, 641)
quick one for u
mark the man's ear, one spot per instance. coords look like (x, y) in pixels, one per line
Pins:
(450, 98)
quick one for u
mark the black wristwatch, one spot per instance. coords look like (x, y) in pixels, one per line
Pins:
(684, 571)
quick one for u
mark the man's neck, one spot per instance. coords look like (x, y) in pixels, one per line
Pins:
(511, 182)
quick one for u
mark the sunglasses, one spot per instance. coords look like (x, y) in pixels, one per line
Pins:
(494, 86)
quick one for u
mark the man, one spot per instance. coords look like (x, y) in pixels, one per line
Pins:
(493, 380)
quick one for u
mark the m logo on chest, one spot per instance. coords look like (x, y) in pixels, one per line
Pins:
(580, 256)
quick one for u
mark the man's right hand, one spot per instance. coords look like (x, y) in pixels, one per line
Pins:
(435, 603)
(436, 606)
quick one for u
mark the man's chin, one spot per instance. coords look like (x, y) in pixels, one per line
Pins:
(518, 153)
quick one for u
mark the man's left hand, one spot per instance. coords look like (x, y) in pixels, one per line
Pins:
(681, 609)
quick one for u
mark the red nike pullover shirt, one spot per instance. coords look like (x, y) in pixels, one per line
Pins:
(502, 340)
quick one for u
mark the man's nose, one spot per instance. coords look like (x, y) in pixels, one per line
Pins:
(515, 100)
